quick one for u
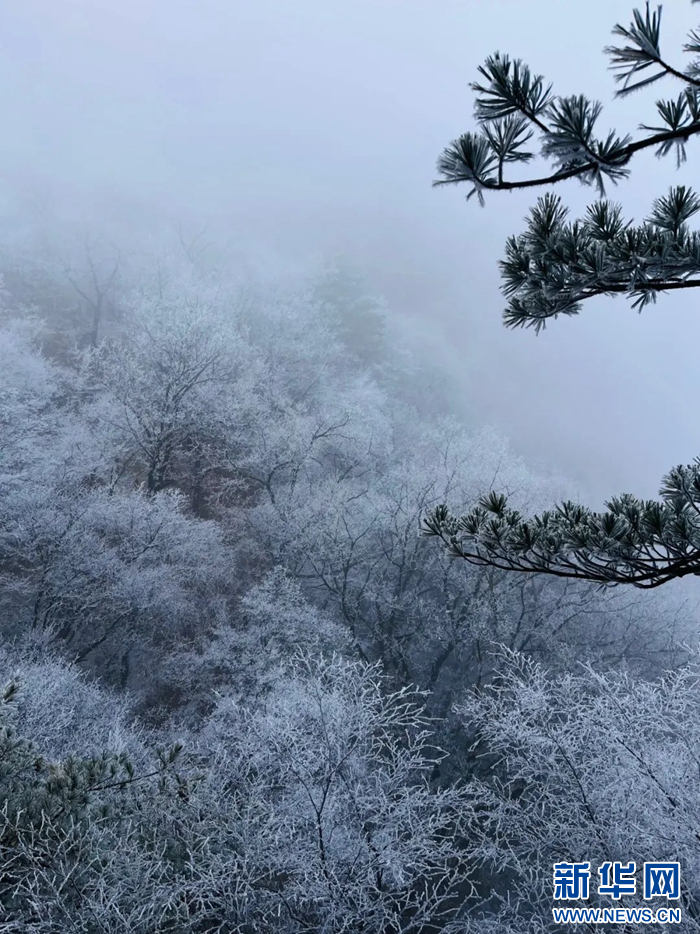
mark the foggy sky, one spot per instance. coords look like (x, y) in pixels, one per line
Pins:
(312, 126)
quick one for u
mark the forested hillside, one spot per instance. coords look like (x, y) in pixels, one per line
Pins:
(240, 692)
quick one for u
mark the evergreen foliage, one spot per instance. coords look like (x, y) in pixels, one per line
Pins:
(556, 265)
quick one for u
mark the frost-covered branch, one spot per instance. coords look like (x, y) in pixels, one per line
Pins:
(555, 266)
(642, 542)
(513, 105)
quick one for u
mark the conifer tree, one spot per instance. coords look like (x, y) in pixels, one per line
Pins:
(556, 265)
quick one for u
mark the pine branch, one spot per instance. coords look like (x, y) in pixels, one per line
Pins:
(644, 543)
(566, 125)
(555, 266)
(643, 51)
(456, 168)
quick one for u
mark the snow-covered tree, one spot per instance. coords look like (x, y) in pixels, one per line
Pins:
(311, 813)
(112, 572)
(244, 654)
(555, 266)
(162, 377)
(349, 537)
(581, 767)
(75, 850)
(339, 769)
(74, 281)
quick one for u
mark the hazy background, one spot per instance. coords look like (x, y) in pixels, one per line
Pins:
(303, 127)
